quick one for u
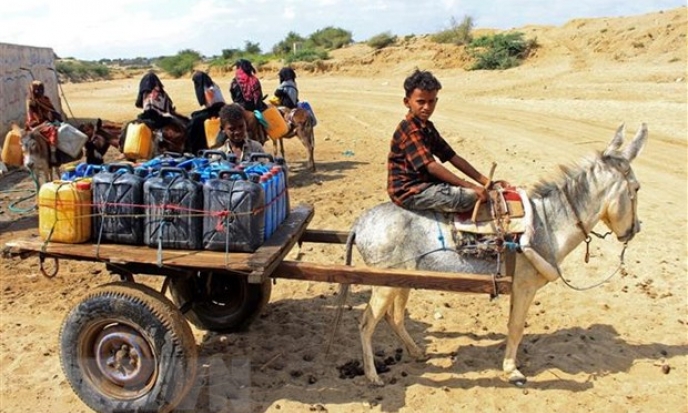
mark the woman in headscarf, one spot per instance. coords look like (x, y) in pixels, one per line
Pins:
(41, 115)
(245, 88)
(210, 98)
(287, 94)
(158, 109)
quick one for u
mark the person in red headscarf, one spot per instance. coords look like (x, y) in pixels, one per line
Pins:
(245, 88)
(41, 115)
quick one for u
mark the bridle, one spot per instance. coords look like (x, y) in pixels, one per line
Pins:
(586, 233)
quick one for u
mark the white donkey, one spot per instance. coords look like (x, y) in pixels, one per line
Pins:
(564, 212)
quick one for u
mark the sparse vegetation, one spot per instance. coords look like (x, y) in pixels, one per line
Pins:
(457, 33)
(79, 71)
(500, 51)
(381, 40)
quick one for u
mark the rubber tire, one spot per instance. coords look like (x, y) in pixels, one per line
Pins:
(150, 317)
(229, 303)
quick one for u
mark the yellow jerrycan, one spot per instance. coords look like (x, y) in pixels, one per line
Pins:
(64, 211)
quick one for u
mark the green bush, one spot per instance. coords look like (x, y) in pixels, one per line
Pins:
(381, 40)
(500, 51)
(329, 38)
(180, 64)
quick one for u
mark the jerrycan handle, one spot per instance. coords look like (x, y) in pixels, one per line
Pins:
(116, 167)
(207, 153)
(171, 154)
(226, 174)
(260, 155)
(92, 170)
(170, 170)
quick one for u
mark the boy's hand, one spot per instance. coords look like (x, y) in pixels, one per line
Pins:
(481, 191)
(499, 184)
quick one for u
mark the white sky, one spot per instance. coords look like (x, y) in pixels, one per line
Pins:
(91, 30)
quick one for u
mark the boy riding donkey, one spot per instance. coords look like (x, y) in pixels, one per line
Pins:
(416, 181)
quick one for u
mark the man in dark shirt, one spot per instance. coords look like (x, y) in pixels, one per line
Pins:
(415, 179)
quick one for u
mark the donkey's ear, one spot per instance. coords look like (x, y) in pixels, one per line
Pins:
(617, 141)
(637, 145)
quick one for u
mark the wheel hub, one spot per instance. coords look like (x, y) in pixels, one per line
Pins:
(124, 357)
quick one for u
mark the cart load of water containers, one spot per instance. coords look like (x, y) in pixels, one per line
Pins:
(177, 201)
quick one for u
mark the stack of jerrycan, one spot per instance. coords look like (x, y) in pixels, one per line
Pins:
(118, 205)
(273, 179)
(64, 211)
(174, 209)
(234, 216)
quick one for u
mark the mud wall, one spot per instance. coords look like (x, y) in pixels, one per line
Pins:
(19, 65)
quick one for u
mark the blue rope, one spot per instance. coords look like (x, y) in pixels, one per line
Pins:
(439, 229)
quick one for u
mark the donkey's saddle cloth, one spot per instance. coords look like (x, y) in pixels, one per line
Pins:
(504, 213)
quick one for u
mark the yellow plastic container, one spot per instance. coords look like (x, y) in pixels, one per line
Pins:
(11, 147)
(138, 142)
(277, 126)
(64, 211)
(212, 128)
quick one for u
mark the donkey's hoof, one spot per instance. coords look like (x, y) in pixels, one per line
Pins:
(376, 381)
(518, 381)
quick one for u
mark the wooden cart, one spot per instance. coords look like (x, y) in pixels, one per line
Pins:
(127, 347)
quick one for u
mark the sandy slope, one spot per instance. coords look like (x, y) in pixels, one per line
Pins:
(599, 350)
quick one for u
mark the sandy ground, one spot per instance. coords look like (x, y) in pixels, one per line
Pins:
(605, 349)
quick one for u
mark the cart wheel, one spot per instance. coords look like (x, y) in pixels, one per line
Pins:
(126, 347)
(219, 302)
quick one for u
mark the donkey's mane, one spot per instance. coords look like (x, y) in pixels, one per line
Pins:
(575, 179)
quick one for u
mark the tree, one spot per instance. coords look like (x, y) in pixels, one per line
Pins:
(286, 46)
(330, 38)
(252, 48)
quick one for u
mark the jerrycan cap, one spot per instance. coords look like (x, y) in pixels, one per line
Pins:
(83, 184)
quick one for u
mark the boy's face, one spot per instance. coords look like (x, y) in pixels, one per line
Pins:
(421, 103)
(235, 130)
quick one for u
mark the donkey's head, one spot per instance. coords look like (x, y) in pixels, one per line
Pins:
(36, 154)
(99, 141)
(620, 210)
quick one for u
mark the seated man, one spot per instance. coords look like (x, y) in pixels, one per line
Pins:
(233, 136)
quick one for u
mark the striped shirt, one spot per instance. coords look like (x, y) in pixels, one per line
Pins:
(412, 148)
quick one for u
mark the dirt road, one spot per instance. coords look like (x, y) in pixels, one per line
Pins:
(599, 350)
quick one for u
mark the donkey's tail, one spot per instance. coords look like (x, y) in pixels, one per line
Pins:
(343, 292)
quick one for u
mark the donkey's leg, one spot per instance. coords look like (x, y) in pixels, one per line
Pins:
(274, 145)
(395, 317)
(523, 291)
(281, 143)
(381, 300)
(305, 135)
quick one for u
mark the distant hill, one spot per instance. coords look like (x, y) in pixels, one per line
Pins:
(653, 37)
